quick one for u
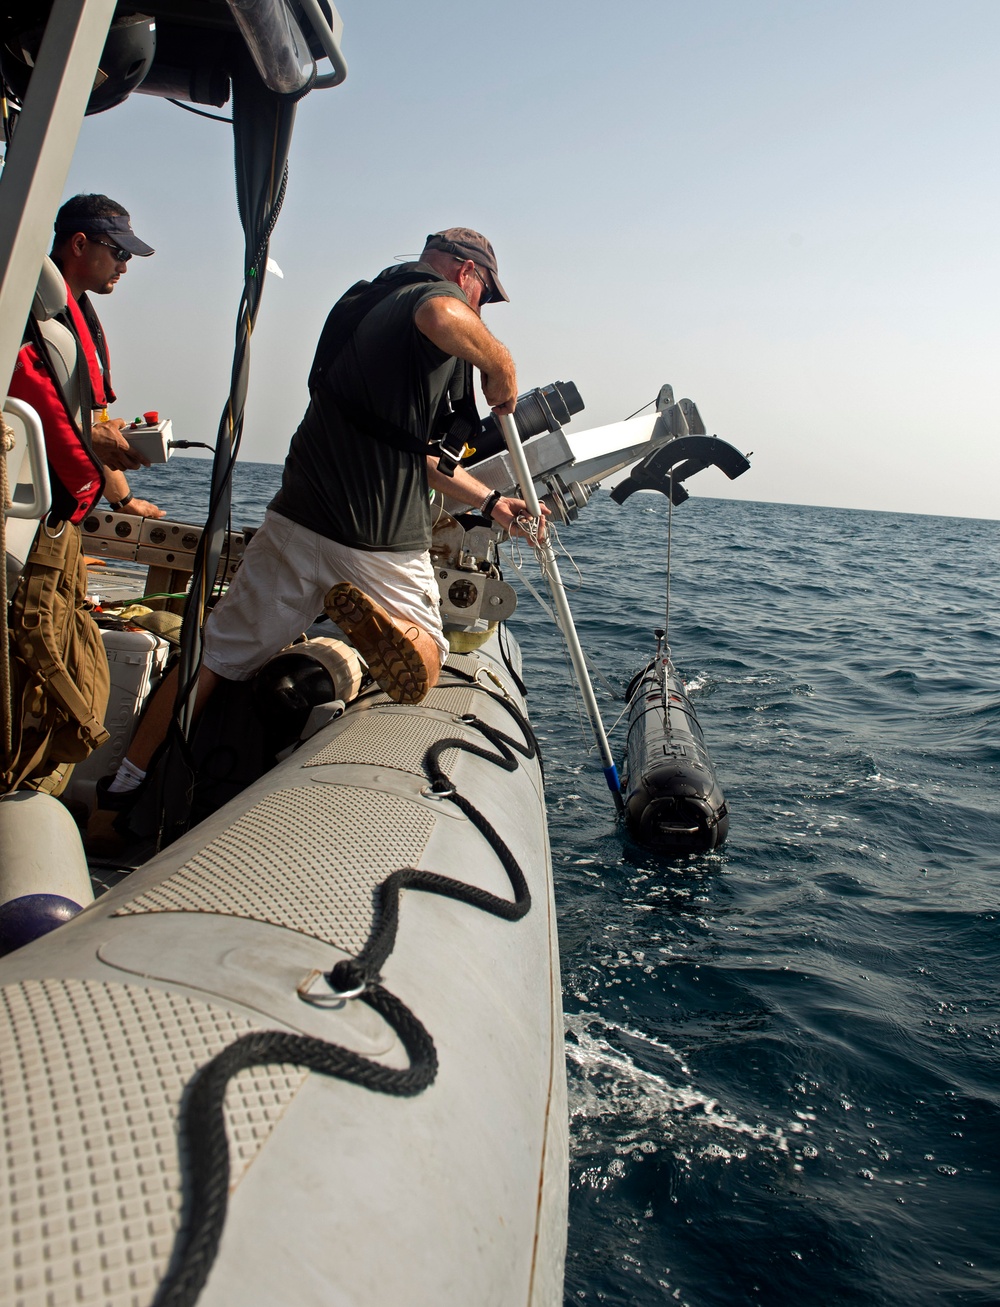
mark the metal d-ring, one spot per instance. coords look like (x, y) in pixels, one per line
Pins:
(428, 792)
(333, 999)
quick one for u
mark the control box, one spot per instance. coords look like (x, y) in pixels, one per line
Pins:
(150, 439)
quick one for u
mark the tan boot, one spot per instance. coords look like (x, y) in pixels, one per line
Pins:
(393, 659)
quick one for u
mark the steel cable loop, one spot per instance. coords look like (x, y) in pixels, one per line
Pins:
(202, 1116)
(203, 1122)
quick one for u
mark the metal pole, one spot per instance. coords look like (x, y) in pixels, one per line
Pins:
(566, 624)
(40, 155)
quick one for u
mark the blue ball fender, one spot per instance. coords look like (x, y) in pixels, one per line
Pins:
(31, 916)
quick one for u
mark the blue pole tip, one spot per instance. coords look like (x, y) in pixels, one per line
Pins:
(615, 786)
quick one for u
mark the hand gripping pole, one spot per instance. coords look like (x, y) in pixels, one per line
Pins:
(561, 603)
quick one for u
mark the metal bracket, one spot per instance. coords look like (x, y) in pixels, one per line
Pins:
(155, 542)
(660, 471)
(470, 597)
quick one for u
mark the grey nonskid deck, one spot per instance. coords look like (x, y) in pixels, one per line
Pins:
(109, 1020)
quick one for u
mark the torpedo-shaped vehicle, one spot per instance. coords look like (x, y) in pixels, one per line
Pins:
(673, 800)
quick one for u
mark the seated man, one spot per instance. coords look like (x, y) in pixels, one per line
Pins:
(92, 246)
(59, 667)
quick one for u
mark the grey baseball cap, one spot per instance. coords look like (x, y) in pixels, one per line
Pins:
(464, 243)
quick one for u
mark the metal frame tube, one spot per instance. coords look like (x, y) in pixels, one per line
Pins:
(563, 613)
(40, 155)
(41, 490)
(330, 41)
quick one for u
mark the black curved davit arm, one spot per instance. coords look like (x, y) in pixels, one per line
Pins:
(665, 468)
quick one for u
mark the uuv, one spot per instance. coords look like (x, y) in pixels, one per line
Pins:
(673, 801)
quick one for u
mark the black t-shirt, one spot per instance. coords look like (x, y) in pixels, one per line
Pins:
(346, 484)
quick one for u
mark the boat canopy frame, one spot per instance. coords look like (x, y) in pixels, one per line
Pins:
(39, 154)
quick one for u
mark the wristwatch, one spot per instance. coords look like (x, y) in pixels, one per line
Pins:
(117, 507)
(489, 503)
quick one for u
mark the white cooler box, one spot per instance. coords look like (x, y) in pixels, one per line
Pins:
(135, 659)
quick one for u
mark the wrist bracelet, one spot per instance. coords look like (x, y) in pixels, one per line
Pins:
(121, 503)
(489, 503)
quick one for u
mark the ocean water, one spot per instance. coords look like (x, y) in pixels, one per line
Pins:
(783, 1057)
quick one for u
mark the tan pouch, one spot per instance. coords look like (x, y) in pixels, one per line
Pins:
(59, 669)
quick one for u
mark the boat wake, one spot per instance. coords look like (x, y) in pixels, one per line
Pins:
(646, 1112)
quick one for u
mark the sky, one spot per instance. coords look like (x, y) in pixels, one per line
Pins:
(788, 211)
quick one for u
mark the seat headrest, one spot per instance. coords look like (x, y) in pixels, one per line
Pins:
(50, 294)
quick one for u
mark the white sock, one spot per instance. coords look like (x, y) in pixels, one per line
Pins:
(128, 777)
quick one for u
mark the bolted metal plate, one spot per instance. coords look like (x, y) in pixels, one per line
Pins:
(155, 542)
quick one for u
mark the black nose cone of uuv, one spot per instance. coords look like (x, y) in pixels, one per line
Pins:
(673, 801)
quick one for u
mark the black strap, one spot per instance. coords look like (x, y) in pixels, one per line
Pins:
(354, 306)
(459, 424)
(100, 344)
(456, 424)
(378, 427)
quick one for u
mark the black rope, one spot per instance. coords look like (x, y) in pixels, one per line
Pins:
(202, 1116)
(522, 689)
(205, 1128)
(468, 679)
(363, 969)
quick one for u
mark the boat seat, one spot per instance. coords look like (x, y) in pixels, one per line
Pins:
(49, 300)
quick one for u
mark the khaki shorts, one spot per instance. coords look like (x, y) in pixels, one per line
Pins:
(283, 581)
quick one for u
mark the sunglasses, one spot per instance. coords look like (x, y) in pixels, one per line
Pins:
(121, 256)
(487, 294)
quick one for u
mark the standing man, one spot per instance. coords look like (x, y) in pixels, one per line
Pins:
(350, 528)
(93, 244)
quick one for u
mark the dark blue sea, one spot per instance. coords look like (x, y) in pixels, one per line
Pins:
(784, 1057)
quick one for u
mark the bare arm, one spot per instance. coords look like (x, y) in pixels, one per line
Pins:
(457, 330)
(116, 489)
(464, 487)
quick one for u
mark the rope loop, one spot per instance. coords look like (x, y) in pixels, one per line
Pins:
(439, 788)
(348, 980)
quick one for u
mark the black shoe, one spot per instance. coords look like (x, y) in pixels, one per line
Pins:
(107, 834)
